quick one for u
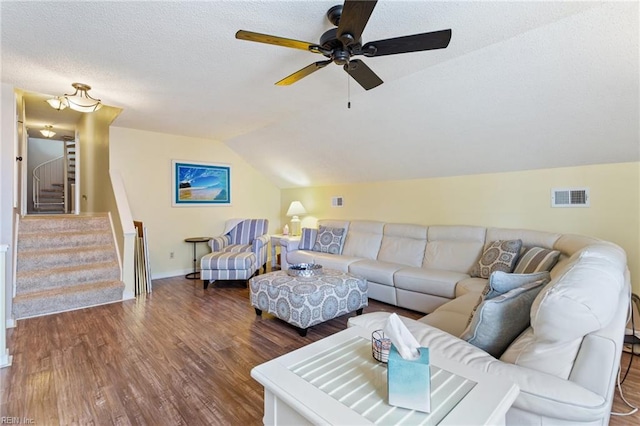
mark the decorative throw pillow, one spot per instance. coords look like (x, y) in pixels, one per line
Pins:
(500, 255)
(329, 240)
(536, 259)
(499, 321)
(307, 238)
(502, 282)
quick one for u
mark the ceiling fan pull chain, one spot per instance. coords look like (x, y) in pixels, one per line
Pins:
(348, 92)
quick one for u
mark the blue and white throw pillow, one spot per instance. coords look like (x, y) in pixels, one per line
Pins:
(329, 240)
(307, 238)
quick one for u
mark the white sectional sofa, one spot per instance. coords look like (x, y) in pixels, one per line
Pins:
(565, 362)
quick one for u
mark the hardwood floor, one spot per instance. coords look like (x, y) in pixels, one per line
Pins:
(179, 356)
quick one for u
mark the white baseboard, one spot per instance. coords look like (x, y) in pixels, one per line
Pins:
(170, 274)
(629, 332)
(6, 360)
(128, 295)
(11, 323)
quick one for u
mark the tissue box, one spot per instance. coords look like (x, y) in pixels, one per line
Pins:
(409, 381)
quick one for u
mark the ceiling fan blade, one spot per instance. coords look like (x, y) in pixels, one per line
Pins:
(269, 39)
(300, 74)
(355, 15)
(406, 44)
(362, 74)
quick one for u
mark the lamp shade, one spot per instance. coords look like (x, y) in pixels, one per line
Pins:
(296, 208)
(80, 100)
(57, 103)
(48, 132)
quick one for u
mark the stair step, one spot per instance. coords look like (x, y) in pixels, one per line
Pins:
(37, 260)
(51, 202)
(65, 262)
(65, 223)
(62, 240)
(50, 208)
(66, 299)
(32, 281)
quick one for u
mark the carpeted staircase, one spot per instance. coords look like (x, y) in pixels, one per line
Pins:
(65, 262)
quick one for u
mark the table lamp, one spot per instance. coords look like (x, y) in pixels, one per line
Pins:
(295, 209)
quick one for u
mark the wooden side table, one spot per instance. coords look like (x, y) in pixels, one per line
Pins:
(195, 275)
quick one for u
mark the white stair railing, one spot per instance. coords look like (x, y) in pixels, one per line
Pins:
(45, 176)
(70, 174)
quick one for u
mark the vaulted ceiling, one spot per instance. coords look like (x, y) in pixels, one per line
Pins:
(522, 85)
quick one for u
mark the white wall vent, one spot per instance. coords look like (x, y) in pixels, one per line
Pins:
(336, 202)
(570, 197)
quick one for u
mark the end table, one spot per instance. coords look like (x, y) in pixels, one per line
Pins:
(195, 275)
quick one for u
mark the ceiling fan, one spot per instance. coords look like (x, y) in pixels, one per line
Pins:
(340, 44)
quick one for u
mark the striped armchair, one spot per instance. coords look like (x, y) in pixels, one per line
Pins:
(248, 235)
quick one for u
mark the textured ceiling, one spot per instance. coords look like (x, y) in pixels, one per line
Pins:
(522, 85)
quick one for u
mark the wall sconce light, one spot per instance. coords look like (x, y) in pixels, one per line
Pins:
(79, 101)
(295, 208)
(48, 132)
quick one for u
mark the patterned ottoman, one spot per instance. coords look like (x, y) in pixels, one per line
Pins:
(307, 301)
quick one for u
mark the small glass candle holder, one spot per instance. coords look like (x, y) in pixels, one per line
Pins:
(380, 346)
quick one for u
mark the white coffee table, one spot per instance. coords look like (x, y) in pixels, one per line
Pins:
(336, 381)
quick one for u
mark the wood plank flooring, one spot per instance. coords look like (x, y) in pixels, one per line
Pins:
(179, 356)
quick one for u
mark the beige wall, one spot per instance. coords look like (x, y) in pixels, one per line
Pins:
(96, 194)
(144, 161)
(510, 200)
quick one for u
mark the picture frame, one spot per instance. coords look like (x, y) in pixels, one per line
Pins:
(200, 184)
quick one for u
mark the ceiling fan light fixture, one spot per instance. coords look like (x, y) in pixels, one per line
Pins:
(57, 103)
(81, 101)
(48, 132)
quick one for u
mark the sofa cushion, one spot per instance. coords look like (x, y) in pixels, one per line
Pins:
(404, 244)
(498, 321)
(429, 281)
(329, 240)
(470, 285)
(329, 261)
(536, 259)
(453, 316)
(375, 270)
(575, 303)
(500, 255)
(237, 248)
(453, 248)
(554, 358)
(363, 239)
(307, 238)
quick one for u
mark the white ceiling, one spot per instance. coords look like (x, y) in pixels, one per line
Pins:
(522, 85)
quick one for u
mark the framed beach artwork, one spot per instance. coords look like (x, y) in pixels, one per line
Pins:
(200, 184)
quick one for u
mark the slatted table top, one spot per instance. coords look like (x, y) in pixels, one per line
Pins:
(337, 381)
